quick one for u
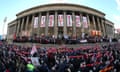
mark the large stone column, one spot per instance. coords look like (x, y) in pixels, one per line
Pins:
(26, 25)
(46, 26)
(103, 26)
(65, 24)
(15, 29)
(88, 21)
(74, 24)
(55, 24)
(98, 21)
(32, 25)
(21, 30)
(39, 22)
(112, 31)
(93, 18)
(78, 29)
(18, 27)
(81, 21)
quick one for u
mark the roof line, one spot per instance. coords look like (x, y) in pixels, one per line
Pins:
(59, 4)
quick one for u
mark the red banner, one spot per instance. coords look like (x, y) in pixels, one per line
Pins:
(35, 22)
(60, 20)
(85, 24)
(77, 19)
(51, 21)
(43, 19)
(69, 20)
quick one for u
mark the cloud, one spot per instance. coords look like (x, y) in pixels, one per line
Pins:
(118, 4)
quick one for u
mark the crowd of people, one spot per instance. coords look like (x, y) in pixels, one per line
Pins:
(63, 39)
(97, 58)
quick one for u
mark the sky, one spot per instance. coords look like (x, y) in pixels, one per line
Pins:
(9, 9)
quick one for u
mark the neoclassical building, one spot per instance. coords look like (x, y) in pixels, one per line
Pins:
(63, 19)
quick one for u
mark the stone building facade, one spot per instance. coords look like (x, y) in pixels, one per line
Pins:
(59, 19)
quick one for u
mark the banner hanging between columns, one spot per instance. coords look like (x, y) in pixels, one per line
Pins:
(51, 21)
(43, 19)
(60, 20)
(85, 23)
(69, 20)
(36, 22)
(77, 21)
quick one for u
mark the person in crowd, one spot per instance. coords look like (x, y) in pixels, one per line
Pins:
(98, 58)
(30, 67)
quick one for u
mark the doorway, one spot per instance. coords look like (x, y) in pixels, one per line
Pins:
(60, 31)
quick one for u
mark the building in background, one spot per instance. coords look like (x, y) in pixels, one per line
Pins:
(60, 19)
(117, 33)
(110, 30)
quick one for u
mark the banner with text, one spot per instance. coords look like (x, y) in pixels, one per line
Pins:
(51, 21)
(69, 20)
(85, 24)
(60, 20)
(35, 22)
(77, 19)
(43, 19)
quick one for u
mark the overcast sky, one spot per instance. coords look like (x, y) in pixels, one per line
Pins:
(9, 9)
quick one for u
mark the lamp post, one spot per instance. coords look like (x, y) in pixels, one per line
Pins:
(4, 22)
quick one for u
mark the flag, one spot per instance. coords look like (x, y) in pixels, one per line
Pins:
(34, 50)
(35, 61)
